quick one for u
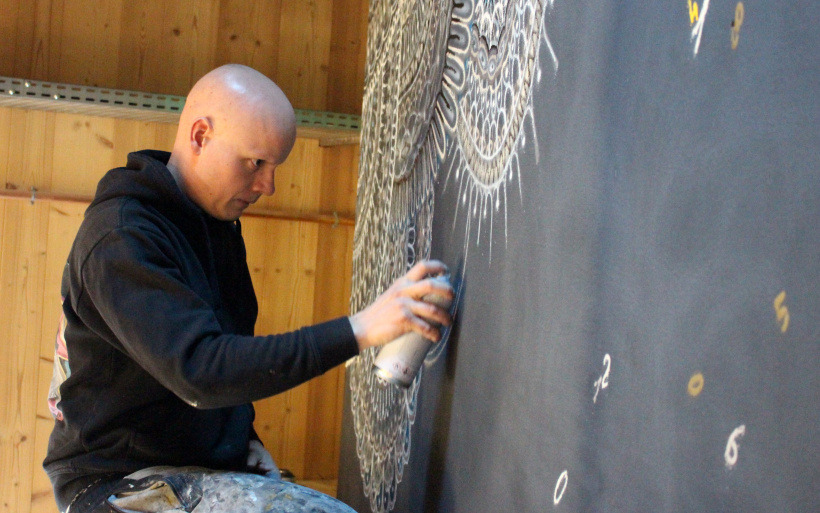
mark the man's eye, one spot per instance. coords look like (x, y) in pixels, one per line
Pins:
(257, 163)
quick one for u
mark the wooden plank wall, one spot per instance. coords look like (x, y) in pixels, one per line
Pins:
(301, 269)
(314, 49)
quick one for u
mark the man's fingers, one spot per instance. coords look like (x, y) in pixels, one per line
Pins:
(434, 313)
(419, 301)
(421, 288)
(424, 268)
(425, 328)
(426, 319)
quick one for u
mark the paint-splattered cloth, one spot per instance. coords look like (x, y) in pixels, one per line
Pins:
(199, 490)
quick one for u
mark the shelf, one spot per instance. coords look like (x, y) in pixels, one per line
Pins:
(332, 219)
(329, 128)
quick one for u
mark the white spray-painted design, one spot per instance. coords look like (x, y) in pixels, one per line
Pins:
(501, 64)
(449, 82)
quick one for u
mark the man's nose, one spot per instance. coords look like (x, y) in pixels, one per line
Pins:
(264, 182)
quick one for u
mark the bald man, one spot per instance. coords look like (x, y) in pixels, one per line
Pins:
(159, 310)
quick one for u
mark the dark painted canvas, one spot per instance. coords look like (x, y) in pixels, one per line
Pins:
(628, 197)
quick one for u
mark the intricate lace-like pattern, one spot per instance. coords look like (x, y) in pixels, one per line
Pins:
(445, 82)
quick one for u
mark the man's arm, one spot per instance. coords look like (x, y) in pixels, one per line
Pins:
(135, 296)
(170, 331)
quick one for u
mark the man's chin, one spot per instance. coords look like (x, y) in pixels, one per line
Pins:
(233, 212)
(228, 215)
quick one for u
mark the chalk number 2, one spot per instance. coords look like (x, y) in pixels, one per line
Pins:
(603, 380)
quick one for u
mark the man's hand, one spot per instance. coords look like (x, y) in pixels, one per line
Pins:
(260, 461)
(400, 308)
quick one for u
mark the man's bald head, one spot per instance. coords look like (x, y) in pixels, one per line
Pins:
(233, 116)
(236, 93)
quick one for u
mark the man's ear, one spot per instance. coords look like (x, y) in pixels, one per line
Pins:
(201, 131)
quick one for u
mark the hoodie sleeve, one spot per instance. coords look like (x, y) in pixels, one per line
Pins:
(135, 296)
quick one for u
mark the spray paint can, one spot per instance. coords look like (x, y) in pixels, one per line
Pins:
(399, 361)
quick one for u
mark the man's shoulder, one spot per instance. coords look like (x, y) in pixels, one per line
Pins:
(114, 213)
(119, 215)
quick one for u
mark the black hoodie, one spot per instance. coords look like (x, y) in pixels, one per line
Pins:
(160, 312)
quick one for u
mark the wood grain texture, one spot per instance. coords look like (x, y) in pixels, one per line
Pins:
(315, 50)
(248, 33)
(22, 262)
(26, 149)
(5, 147)
(281, 256)
(304, 54)
(340, 166)
(88, 32)
(42, 496)
(86, 142)
(45, 41)
(333, 276)
(169, 45)
(301, 270)
(18, 27)
(348, 53)
(301, 427)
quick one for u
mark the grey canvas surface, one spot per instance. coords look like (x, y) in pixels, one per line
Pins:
(668, 229)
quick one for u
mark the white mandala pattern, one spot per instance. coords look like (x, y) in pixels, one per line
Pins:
(446, 80)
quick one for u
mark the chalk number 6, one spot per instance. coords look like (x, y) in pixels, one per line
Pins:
(730, 455)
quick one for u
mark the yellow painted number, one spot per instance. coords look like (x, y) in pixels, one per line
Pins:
(781, 311)
(695, 385)
(736, 23)
(693, 12)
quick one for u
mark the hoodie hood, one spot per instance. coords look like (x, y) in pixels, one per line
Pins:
(147, 179)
